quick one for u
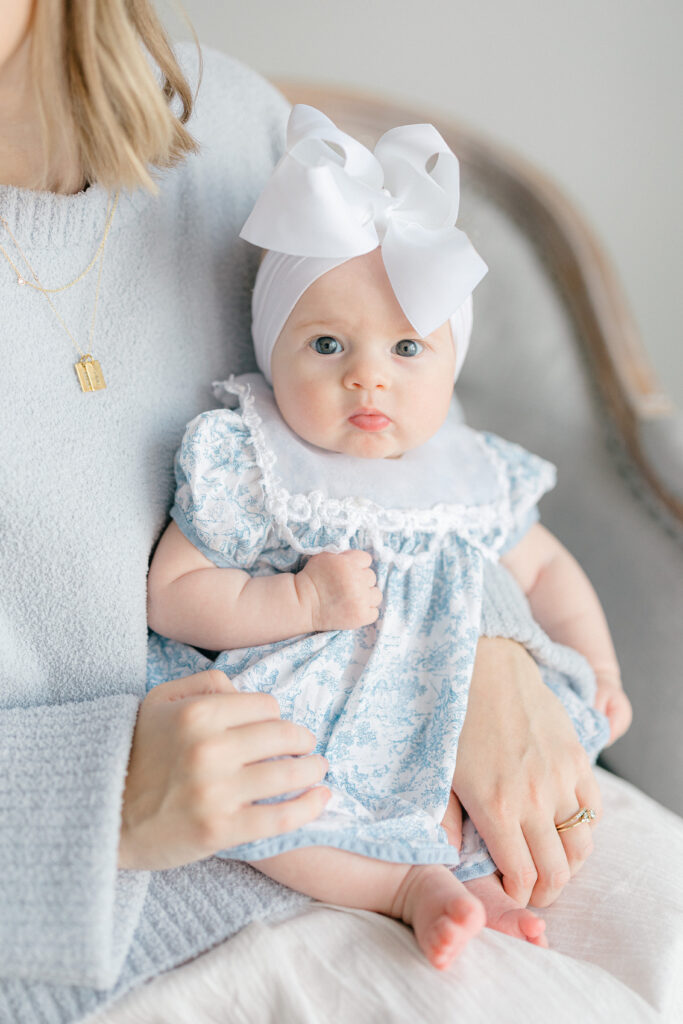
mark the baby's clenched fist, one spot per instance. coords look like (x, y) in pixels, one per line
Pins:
(339, 591)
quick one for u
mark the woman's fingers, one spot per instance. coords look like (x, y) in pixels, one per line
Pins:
(260, 821)
(549, 856)
(258, 741)
(202, 683)
(578, 841)
(208, 714)
(578, 845)
(510, 853)
(189, 781)
(519, 769)
(588, 795)
(225, 754)
(268, 779)
(559, 855)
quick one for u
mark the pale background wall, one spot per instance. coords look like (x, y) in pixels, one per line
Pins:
(590, 90)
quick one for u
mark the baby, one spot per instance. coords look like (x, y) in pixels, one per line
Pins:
(330, 534)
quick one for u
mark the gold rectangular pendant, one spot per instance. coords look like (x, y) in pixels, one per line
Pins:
(89, 373)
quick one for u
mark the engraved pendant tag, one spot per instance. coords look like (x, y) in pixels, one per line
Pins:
(89, 374)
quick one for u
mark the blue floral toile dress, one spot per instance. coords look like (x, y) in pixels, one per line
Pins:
(387, 701)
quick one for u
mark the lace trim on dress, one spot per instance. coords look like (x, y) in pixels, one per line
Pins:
(355, 514)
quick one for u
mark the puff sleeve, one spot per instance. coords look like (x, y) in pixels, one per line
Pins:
(523, 479)
(219, 502)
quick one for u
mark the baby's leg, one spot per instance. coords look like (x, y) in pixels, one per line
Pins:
(443, 914)
(503, 914)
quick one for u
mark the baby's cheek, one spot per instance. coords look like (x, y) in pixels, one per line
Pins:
(428, 421)
(311, 414)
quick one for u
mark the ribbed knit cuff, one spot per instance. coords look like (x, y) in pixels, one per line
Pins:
(186, 911)
(505, 611)
(62, 770)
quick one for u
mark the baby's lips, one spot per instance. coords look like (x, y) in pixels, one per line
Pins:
(370, 421)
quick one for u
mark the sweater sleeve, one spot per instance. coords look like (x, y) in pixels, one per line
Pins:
(67, 915)
(505, 610)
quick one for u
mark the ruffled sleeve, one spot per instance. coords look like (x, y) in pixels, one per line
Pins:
(523, 479)
(219, 501)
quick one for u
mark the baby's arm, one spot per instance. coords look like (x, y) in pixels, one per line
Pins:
(566, 606)
(193, 601)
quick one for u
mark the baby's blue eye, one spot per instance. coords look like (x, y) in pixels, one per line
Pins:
(326, 346)
(407, 348)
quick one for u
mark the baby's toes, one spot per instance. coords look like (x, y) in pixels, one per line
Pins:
(523, 924)
(444, 941)
(533, 929)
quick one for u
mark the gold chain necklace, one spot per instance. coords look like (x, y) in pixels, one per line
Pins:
(88, 370)
(21, 280)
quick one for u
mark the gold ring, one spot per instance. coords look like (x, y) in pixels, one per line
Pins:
(585, 814)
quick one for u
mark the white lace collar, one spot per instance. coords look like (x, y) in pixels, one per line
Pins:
(452, 482)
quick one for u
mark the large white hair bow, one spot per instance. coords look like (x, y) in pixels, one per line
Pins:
(330, 197)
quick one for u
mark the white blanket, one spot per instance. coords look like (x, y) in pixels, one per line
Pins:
(616, 937)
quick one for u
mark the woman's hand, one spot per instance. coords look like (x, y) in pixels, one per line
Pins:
(520, 771)
(198, 762)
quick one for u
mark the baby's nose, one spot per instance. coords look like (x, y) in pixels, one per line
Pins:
(366, 375)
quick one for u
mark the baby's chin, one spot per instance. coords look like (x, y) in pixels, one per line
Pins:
(367, 447)
(390, 443)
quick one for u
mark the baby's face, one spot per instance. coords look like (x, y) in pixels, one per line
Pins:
(349, 373)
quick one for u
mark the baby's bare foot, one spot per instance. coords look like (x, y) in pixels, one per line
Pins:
(504, 915)
(443, 914)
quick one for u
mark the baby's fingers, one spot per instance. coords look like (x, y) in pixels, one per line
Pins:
(366, 617)
(360, 558)
(602, 699)
(619, 713)
(369, 578)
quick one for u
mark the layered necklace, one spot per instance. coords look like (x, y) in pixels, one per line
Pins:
(88, 369)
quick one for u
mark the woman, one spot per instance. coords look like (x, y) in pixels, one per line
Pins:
(117, 304)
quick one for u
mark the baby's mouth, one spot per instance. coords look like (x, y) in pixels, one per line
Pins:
(370, 420)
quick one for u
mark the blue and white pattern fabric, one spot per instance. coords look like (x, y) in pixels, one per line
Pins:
(387, 701)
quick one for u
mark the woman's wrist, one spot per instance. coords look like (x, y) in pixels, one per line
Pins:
(499, 654)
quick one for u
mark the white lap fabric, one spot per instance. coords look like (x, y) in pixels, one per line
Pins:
(616, 937)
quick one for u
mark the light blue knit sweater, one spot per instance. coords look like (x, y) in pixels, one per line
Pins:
(85, 487)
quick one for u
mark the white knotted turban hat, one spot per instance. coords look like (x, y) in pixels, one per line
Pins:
(330, 199)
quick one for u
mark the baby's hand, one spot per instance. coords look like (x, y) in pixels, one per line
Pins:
(339, 590)
(611, 700)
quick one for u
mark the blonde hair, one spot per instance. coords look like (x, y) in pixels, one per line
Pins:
(106, 80)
